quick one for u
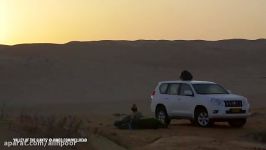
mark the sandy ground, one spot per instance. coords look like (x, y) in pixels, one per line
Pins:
(180, 134)
(97, 79)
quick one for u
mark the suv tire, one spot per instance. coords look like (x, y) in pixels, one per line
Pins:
(202, 118)
(237, 123)
(161, 114)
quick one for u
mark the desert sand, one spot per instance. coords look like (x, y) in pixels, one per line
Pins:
(98, 79)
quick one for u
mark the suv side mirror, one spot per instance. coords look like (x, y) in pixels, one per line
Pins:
(188, 93)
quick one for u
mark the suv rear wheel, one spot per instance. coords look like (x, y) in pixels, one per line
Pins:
(161, 114)
(202, 118)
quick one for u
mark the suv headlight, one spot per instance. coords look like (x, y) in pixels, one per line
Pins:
(216, 102)
(245, 102)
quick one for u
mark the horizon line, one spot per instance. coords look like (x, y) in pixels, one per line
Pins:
(117, 40)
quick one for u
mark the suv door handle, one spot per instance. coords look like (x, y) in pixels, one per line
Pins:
(166, 98)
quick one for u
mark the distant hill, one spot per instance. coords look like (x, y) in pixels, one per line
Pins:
(3, 46)
(119, 73)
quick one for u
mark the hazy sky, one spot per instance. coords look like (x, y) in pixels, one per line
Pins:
(60, 21)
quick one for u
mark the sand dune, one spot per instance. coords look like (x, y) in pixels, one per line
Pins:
(111, 75)
(105, 77)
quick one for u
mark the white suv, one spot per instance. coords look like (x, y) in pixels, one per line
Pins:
(202, 102)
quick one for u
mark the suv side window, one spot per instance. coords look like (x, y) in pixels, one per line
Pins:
(163, 88)
(173, 89)
(184, 87)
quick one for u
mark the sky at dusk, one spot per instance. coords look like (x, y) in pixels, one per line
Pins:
(61, 21)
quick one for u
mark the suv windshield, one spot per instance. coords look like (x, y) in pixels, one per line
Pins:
(209, 89)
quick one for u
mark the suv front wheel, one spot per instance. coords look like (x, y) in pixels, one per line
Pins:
(161, 114)
(201, 117)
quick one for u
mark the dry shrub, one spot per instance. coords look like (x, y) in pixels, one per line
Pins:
(49, 126)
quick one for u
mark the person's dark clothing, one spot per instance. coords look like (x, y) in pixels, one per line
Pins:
(186, 76)
(124, 123)
(142, 123)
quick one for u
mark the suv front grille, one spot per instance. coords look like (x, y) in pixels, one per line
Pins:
(233, 103)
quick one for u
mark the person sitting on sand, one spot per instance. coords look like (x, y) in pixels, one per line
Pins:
(136, 115)
(137, 121)
(128, 121)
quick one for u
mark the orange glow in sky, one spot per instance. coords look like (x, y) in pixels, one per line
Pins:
(60, 21)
